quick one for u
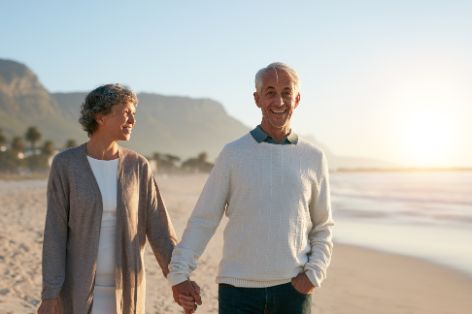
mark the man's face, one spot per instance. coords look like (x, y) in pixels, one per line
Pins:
(278, 97)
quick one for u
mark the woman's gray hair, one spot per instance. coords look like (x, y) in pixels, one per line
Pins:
(101, 100)
(277, 66)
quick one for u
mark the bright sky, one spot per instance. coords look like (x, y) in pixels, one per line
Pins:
(390, 80)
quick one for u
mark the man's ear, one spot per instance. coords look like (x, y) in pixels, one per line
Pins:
(257, 98)
(297, 100)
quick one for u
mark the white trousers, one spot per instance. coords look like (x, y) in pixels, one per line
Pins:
(104, 290)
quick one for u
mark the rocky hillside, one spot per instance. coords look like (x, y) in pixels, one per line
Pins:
(169, 124)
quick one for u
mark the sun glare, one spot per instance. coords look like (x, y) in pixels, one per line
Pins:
(427, 138)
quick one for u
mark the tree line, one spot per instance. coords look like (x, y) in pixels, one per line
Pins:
(18, 157)
(168, 163)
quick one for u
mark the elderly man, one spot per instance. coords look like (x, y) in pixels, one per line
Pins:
(273, 186)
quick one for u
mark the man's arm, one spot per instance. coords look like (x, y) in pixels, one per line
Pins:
(321, 235)
(162, 238)
(203, 222)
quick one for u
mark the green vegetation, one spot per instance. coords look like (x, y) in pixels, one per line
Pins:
(16, 158)
(167, 163)
(32, 135)
(199, 164)
(71, 143)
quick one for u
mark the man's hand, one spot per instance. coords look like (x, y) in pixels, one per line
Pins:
(302, 284)
(49, 306)
(187, 295)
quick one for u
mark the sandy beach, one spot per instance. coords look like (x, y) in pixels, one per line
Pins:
(359, 280)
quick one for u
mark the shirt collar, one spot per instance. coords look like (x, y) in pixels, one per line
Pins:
(260, 136)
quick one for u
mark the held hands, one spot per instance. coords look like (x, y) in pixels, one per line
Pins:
(302, 284)
(49, 306)
(187, 295)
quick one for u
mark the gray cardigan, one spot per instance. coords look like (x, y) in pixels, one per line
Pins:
(72, 231)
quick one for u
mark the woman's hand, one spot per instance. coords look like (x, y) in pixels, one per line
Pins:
(49, 306)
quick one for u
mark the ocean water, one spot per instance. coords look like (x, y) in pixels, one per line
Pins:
(421, 214)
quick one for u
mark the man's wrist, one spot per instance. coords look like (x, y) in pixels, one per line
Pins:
(175, 279)
(312, 278)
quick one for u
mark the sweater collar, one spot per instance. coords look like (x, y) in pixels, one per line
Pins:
(260, 136)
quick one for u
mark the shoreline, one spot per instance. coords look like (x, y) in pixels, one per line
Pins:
(425, 242)
(392, 282)
(426, 260)
(419, 259)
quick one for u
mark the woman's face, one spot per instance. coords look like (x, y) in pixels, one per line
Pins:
(119, 123)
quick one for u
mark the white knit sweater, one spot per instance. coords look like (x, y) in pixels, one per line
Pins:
(280, 224)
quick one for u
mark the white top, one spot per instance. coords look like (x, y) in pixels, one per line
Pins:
(280, 224)
(106, 172)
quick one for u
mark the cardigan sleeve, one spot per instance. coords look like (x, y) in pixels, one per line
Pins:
(203, 221)
(55, 232)
(159, 229)
(321, 234)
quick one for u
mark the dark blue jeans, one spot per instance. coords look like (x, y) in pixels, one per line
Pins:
(281, 299)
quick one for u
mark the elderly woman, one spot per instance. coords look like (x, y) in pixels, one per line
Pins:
(102, 203)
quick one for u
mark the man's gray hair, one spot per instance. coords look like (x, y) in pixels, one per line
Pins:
(277, 66)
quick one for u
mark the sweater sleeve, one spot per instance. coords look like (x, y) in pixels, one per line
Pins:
(55, 233)
(321, 234)
(203, 221)
(159, 229)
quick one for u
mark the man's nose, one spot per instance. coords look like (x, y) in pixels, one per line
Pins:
(278, 101)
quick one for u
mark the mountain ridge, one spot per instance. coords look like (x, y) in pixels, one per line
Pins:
(177, 125)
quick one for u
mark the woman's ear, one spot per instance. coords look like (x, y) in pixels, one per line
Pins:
(99, 118)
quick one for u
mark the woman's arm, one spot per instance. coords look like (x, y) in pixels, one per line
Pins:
(50, 306)
(159, 229)
(55, 232)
